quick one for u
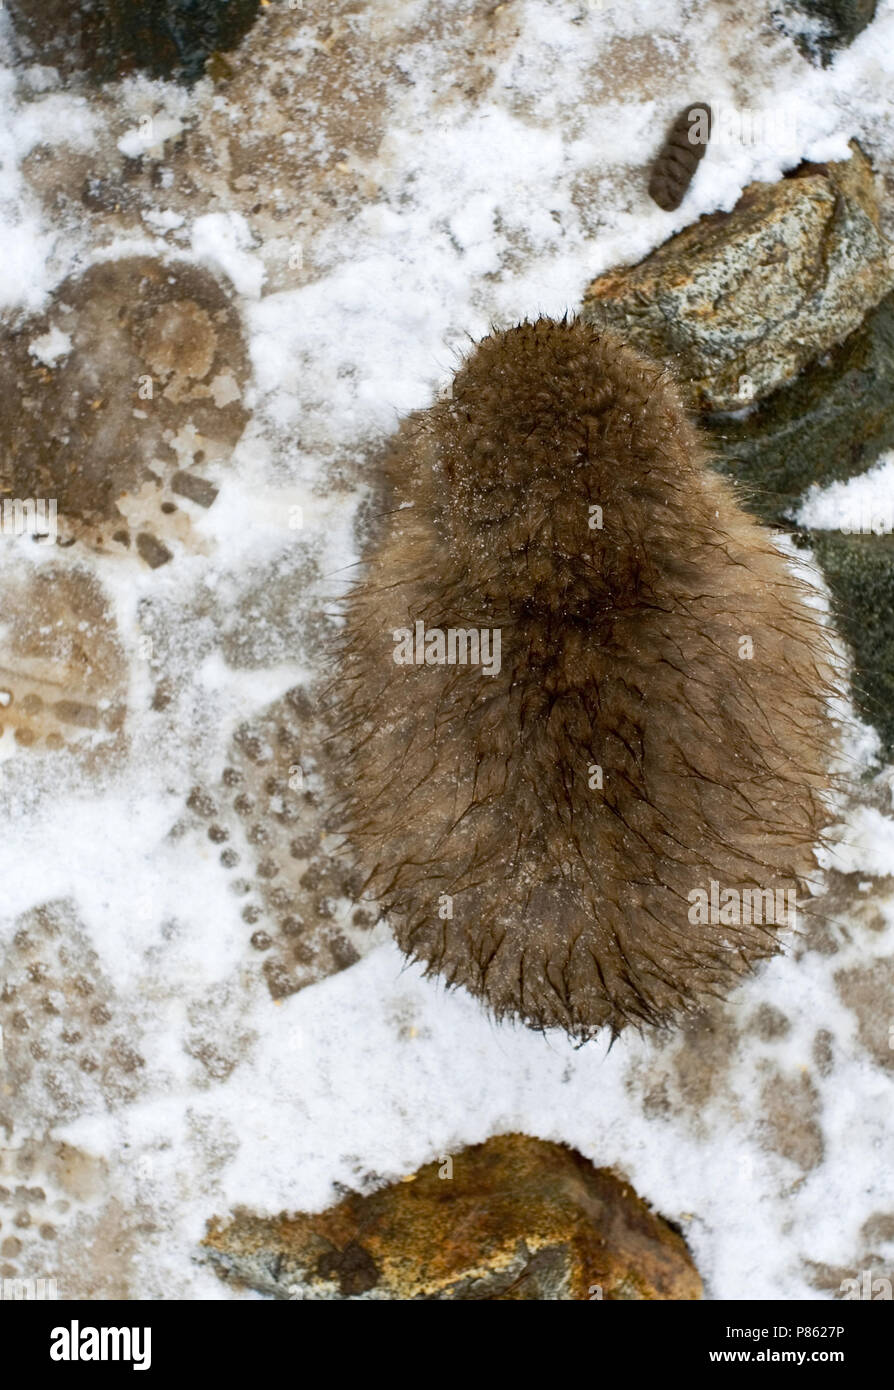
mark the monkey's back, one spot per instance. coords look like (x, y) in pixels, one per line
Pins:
(658, 720)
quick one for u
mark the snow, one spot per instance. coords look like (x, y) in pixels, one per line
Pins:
(480, 215)
(149, 136)
(866, 844)
(857, 506)
(222, 241)
(163, 219)
(51, 347)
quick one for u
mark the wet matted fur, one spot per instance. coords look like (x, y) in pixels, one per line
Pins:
(668, 654)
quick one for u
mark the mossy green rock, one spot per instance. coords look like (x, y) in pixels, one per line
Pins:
(859, 571)
(829, 424)
(111, 38)
(830, 25)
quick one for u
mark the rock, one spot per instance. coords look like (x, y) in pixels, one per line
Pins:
(133, 374)
(829, 424)
(739, 302)
(198, 490)
(859, 571)
(111, 38)
(829, 421)
(150, 549)
(821, 27)
(512, 1219)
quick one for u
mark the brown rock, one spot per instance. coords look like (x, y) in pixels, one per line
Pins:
(741, 301)
(198, 490)
(512, 1219)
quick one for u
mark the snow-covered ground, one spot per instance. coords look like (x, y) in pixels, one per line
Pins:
(464, 165)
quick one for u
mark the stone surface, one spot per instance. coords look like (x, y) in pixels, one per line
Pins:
(829, 424)
(859, 571)
(512, 1219)
(821, 27)
(739, 302)
(110, 398)
(111, 38)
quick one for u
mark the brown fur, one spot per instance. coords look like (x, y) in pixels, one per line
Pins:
(620, 647)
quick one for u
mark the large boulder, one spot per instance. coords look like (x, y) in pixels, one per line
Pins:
(739, 302)
(512, 1219)
(859, 570)
(829, 424)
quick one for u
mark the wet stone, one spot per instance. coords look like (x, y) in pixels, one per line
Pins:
(515, 1219)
